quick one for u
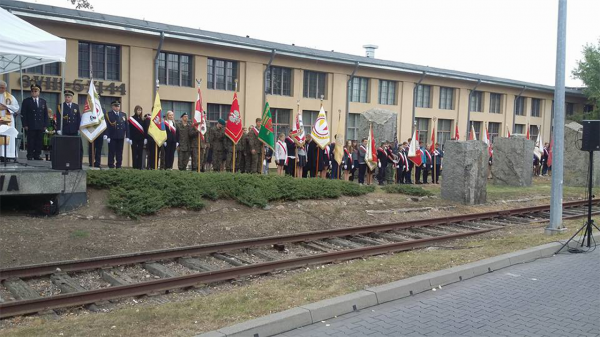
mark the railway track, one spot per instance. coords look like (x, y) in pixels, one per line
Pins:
(91, 281)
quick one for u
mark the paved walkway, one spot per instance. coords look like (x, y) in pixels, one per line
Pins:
(558, 296)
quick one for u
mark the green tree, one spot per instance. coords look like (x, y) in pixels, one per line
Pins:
(82, 4)
(588, 71)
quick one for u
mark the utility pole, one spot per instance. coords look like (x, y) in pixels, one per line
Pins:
(558, 148)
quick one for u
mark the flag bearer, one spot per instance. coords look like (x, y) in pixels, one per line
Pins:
(117, 133)
(185, 146)
(254, 149)
(216, 139)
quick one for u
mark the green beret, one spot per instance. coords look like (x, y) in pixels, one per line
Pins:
(221, 121)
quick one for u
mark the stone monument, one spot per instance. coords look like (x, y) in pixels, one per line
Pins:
(513, 161)
(384, 125)
(576, 162)
(465, 172)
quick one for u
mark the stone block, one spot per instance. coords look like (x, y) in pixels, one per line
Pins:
(384, 124)
(400, 289)
(269, 325)
(465, 172)
(450, 275)
(513, 161)
(212, 334)
(488, 265)
(576, 162)
(526, 255)
(337, 306)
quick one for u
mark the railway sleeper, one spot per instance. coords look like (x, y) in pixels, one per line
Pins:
(344, 243)
(315, 246)
(195, 264)
(363, 240)
(68, 285)
(159, 270)
(261, 254)
(20, 290)
(115, 277)
(428, 231)
(411, 235)
(228, 258)
(448, 229)
(387, 236)
(518, 219)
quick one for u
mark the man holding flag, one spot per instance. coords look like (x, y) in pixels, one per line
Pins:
(320, 135)
(265, 134)
(93, 125)
(233, 131)
(415, 155)
(156, 131)
(197, 136)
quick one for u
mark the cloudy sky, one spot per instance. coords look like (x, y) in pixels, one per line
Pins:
(506, 38)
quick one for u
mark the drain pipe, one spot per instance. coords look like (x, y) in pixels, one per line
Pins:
(349, 89)
(515, 107)
(469, 110)
(415, 103)
(158, 50)
(268, 68)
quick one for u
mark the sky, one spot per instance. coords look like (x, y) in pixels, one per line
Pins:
(513, 39)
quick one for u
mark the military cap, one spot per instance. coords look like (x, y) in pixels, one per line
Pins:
(221, 121)
(184, 114)
(69, 93)
(36, 86)
(115, 103)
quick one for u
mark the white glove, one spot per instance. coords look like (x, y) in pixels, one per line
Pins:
(379, 164)
(330, 163)
(345, 167)
(176, 144)
(353, 166)
(165, 144)
(108, 140)
(424, 166)
(59, 132)
(127, 140)
(105, 137)
(130, 142)
(145, 141)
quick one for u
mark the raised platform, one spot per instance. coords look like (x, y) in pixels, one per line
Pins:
(37, 178)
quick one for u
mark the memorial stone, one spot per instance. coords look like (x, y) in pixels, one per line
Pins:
(384, 124)
(513, 161)
(465, 172)
(577, 162)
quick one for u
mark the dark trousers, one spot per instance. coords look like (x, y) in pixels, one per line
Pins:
(151, 150)
(97, 152)
(400, 175)
(335, 170)
(425, 173)
(291, 167)
(544, 168)
(34, 143)
(170, 155)
(436, 177)
(362, 169)
(137, 150)
(418, 170)
(115, 149)
(408, 175)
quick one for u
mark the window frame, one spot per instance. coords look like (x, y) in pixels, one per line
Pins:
(212, 75)
(360, 90)
(44, 69)
(353, 122)
(390, 92)
(85, 73)
(310, 121)
(494, 133)
(520, 105)
(421, 94)
(319, 78)
(163, 63)
(448, 102)
(495, 103)
(423, 132)
(269, 78)
(477, 126)
(443, 135)
(536, 107)
(275, 115)
(223, 112)
(476, 101)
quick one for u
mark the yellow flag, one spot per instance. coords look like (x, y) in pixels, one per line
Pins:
(338, 151)
(157, 124)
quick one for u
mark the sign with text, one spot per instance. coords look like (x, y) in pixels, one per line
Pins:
(50, 83)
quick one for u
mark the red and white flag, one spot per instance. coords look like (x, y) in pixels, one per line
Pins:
(414, 152)
(371, 155)
(550, 149)
(456, 134)
(233, 125)
(507, 132)
(486, 139)
(472, 135)
(200, 116)
(298, 133)
(432, 146)
(527, 135)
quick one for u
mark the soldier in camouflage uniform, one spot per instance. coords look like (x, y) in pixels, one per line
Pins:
(217, 139)
(194, 134)
(240, 153)
(254, 149)
(184, 149)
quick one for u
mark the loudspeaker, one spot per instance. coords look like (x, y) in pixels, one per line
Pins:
(591, 136)
(66, 153)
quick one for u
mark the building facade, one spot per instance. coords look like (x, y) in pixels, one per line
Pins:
(121, 54)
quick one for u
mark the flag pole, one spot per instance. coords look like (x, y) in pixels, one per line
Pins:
(155, 144)
(296, 147)
(433, 154)
(414, 165)
(198, 82)
(233, 160)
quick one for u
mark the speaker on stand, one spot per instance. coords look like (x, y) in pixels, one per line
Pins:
(66, 153)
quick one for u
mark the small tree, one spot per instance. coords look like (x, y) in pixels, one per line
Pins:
(588, 71)
(82, 4)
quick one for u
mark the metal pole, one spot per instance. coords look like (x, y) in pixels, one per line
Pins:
(158, 50)
(559, 123)
(469, 109)
(268, 68)
(415, 102)
(62, 93)
(350, 88)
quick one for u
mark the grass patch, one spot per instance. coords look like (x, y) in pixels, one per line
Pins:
(267, 295)
(80, 234)
(408, 190)
(134, 193)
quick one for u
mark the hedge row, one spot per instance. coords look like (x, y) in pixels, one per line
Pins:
(134, 193)
(407, 189)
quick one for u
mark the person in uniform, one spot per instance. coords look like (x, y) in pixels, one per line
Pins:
(255, 149)
(228, 152)
(216, 138)
(116, 134)
(290, 150)
(138, 137)
(347, 161)
(392, 160)
(382, 163)
(362, 164)
(311, 158)
(68, 118)
(9, 108)
(438, 157)
(185, 147)
(172, 142)
(240, 153)
(193, 135)
(34, 115)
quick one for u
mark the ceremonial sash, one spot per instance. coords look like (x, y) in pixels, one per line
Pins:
(255, 130)
(136, 124)
(348, 155)
(171, 127)
(363, 148)
(428, 154)
(284, 147)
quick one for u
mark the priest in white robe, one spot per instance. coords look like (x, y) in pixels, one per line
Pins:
(9, 106)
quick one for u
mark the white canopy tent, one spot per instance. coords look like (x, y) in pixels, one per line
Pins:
(23, 45)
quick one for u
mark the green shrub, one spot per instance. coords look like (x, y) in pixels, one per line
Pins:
(134, 193)
(407, 189)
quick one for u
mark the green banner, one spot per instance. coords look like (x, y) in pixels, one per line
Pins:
(266, 129)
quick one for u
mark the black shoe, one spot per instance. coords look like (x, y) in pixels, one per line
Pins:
(38, 158)
(29, 158)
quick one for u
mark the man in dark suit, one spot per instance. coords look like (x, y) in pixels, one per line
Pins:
(117, 132)
(70, 115)
(34, 112)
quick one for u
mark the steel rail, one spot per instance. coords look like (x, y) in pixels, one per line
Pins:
(9, 309)
(164, 254)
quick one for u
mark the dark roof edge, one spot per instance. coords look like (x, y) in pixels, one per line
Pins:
(47, 12)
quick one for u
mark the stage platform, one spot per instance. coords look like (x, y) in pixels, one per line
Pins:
(37, 178)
